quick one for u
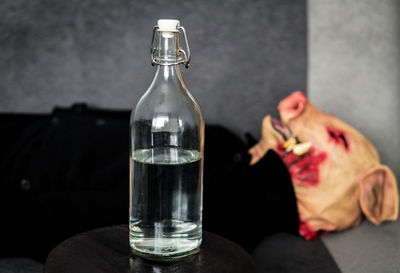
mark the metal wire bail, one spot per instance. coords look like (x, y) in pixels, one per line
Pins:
(184, 56)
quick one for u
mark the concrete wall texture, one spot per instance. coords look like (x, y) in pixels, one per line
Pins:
(60, 52)
(354, 68)
(354, 73)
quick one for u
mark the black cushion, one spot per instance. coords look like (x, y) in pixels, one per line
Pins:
(287, 253)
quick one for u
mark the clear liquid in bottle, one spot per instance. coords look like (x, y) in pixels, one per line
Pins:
(166, 217)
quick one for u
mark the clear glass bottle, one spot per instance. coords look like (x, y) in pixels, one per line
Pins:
(166, 156)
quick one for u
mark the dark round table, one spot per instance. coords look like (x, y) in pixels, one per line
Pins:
(107, 250)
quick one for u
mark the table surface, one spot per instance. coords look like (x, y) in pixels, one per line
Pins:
(107, 250)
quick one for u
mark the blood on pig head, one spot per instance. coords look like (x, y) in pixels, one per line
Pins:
(335, 170)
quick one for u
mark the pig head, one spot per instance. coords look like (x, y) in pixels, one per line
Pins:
(335, 170)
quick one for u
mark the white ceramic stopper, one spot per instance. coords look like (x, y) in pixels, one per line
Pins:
(168, 25)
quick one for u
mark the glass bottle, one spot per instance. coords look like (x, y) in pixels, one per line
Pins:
(166, 156)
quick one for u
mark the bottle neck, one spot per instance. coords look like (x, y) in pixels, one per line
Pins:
(166, 56)
(168, 73)
(166, 51)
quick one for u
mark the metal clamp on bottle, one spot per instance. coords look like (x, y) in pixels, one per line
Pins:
(183, 57)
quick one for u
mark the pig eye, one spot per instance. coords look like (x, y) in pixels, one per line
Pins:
(338, 137)
(296, 106)
(344, 140)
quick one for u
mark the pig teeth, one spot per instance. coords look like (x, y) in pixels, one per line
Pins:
(302, 148)
(289, 144)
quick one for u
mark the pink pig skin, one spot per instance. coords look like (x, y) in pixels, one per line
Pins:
(339, 178)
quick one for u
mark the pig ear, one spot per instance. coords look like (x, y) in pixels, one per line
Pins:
(379, 199)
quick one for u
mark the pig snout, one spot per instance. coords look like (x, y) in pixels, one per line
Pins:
(292, 106)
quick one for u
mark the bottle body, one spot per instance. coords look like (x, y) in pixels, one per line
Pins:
(166, 169)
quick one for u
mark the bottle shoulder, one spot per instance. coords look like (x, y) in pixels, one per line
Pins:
(167, 101)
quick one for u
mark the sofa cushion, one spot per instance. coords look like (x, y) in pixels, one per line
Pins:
(367, 248)
(20, 265)
(284, 252)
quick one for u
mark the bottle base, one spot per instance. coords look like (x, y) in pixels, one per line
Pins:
(167, 251)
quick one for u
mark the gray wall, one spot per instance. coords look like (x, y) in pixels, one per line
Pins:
(354, 68)
(246, 55)
(354, 73)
